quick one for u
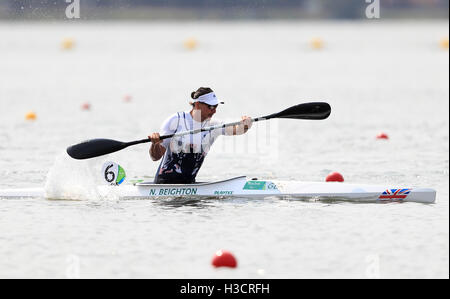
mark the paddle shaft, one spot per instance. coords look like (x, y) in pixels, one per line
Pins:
(207, 129)
(98, 147)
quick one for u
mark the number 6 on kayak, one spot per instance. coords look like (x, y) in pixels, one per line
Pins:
(113, 173)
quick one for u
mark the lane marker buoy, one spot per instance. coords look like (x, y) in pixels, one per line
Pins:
(190, 43)
(334, 177)
(317, 43)
(444, 43)
(86, 106)
(30, 116)
(67, 44)
(224, 258)
(382, 136)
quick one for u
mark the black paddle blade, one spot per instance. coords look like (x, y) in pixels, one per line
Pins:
(94, 148)
(314, 110)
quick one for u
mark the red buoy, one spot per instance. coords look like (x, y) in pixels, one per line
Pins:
(334, 177)
(224, 258)
(86, 106)
(382, 136)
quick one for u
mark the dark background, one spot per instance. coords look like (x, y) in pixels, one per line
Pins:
(220, 9)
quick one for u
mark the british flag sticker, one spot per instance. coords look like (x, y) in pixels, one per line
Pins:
(394, 194)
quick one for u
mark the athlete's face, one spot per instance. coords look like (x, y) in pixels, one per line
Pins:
(207, 110)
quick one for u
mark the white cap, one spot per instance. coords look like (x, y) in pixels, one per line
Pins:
(209, 99)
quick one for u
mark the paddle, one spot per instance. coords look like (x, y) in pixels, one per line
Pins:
(99, 147)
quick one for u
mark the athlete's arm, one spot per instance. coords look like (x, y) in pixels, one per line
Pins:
(158, 147)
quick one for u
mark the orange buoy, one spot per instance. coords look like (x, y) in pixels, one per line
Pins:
(317, 43)
(190, 44)
(334, 177)
(444, 43)
(224, 258)
(67, 44)
(30, 116)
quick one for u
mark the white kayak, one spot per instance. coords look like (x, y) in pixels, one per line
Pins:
(242, 187)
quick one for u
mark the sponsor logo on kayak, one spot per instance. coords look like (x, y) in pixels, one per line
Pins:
(255, 185)
(223, 192)
(173, 191)
(398, 194)
(260, 185)
(272, 186)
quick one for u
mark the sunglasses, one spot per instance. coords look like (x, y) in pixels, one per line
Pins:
(211, 107)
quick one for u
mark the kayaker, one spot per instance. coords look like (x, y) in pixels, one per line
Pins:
(184, 155)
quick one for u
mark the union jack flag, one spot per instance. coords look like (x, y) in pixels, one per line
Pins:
(394, 194)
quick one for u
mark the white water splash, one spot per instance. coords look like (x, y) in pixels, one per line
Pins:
(76, 179)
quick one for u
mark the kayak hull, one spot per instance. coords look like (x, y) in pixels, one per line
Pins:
(241, 187)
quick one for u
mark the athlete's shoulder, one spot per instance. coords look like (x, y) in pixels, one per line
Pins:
(171, 122)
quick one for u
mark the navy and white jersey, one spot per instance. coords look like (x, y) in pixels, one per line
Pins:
(184, 154)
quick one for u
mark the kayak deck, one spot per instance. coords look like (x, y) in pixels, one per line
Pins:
(241, 187)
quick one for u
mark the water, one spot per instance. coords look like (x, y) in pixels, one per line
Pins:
(377, 76)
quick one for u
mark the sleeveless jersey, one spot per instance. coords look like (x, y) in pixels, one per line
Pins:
(184, 154)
